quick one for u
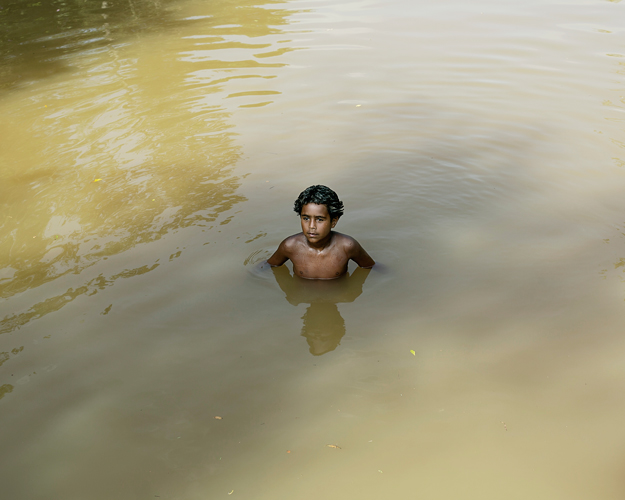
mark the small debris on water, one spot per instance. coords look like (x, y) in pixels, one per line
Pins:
(504, 425)
(231, 492)
(412, 351)
(97, 180)
(333, 446)
(218, 418)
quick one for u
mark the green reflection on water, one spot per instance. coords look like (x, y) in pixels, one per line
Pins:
(36, 38)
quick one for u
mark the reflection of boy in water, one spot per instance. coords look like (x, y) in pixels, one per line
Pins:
(323, 328)
(323, 325)
(318, 252)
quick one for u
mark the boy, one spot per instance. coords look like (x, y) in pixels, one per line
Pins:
(318, 252)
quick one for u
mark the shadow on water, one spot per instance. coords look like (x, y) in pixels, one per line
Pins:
(137, 147)
(324, 327)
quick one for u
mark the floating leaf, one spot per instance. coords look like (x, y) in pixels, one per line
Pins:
(97, 180)
(333, 446)
(230, 492)
(412, 352)
(218, 418)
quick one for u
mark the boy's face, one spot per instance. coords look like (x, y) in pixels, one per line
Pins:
(316, 222)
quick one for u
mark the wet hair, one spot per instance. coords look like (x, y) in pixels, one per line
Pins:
(320, 195)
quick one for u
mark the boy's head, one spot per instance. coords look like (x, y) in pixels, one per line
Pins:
(320, 195)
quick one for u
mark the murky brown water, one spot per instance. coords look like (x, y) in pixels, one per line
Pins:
(150, 155)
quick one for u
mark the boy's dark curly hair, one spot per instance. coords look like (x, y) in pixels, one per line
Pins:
(320, 195)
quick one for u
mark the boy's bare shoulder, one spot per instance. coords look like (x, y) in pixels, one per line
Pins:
(293, 241)
(353, 250)
(345, 241)
(286, 250)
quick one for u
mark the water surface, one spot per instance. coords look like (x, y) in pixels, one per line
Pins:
(151, 153)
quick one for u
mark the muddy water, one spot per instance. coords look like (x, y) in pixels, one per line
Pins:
(151, 152)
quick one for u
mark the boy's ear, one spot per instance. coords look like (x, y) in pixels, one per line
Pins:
(334, 221)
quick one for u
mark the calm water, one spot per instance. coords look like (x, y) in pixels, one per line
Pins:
(150, 154)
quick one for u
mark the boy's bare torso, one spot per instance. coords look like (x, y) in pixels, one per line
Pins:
(327, 263)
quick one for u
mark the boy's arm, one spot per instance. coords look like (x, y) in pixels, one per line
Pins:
(359, 255)
(280, 256)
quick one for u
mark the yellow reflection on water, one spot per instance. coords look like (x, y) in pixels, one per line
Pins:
(135, 144)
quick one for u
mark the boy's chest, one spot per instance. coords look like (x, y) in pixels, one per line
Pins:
(313, 264)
